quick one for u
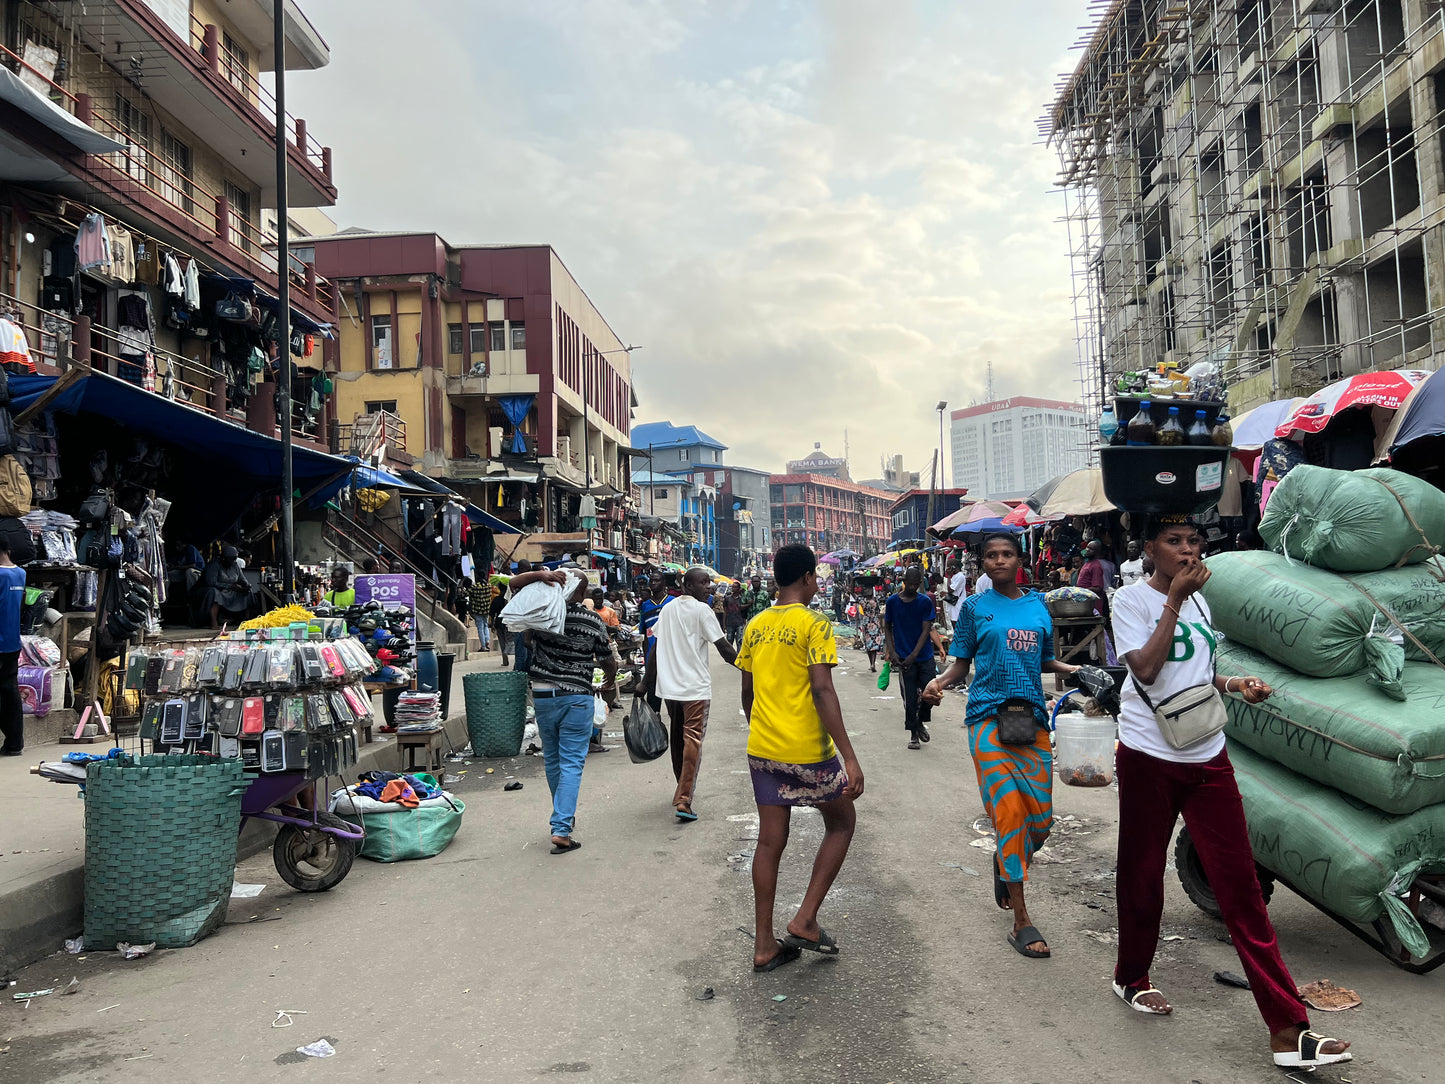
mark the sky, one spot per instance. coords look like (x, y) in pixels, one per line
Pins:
(811, 217)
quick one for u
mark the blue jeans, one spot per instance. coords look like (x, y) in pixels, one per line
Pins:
(484, 633)
(564, 723)
(521, 654)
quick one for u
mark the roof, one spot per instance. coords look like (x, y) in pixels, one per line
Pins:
(648, 478)
(1016, 401)
(666, 435)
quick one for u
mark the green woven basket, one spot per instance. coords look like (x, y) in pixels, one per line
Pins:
(496, 712)
(160, 848)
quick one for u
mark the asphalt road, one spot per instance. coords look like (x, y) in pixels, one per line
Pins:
(497, 961)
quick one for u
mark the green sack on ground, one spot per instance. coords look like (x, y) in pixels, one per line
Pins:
(1344, 732)
(1336, 850)
(1324, 624)
(422, 832)
(884, 676)
(1354, 521)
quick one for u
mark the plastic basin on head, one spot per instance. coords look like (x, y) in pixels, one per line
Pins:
(1163, 480)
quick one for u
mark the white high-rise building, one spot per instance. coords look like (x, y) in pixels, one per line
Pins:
(1006, 449)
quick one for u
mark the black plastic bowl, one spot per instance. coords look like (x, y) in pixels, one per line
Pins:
(1174, 480)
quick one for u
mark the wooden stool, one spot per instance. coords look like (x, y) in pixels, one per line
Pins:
(430, 742)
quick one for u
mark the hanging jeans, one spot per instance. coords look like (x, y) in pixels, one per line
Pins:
(1153, 793)
(12, 710)
(564, 725)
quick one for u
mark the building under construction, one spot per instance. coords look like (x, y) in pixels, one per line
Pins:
(1260, 183)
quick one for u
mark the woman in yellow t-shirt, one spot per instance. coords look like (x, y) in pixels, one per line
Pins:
(798, 752)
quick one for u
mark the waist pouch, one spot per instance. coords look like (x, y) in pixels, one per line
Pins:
(1017, 723)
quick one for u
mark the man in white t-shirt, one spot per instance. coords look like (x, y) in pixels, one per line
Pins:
(957, 591)
(677, 671)
(1132, 570)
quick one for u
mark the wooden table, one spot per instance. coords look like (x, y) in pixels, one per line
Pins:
(372, 688)
(1074, 636)
(430, 741)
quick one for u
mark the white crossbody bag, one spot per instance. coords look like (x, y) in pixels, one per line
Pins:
(1191, 715)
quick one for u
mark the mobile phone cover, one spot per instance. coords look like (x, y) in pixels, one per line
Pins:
(332, 658)
(135, 671)
(253, 715)
(273, 751)
(235, 666)
(173, 722)
(226, 716)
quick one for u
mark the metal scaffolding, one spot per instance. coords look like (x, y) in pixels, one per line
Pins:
(1260, 183)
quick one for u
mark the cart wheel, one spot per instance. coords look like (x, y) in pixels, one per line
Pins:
(1196, 884)
(312, 860)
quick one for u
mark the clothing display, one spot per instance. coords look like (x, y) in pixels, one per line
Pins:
(147, 262)
(92, 245)
(14, 349)
(172, 281)
(122, 253)
(193, 285)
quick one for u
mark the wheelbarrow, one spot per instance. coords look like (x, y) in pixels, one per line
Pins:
(314, 848)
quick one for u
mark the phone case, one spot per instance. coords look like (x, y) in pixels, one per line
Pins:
(250, 754)
(227, 747)
(360, 705)
(257, 666)
(313, 666)
(150, 721)
(273, 711)
(173, 722)
(135, 671)
(298, 748)
(293, 714)
(226, 716)
(332, 659)
(197, 714)
(340, 708)
(273, 751)
(190, 668)
(318, 715)
(213, 667)
(235, 665)
(253, 715)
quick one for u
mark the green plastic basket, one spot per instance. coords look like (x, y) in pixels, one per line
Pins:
(160, 848)
(496, 712)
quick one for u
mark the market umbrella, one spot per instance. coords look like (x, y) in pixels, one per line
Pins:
(1024, 516)
(1385, 390)
(1421, 415)
(829, 559)
(843, 554)
(1078, 493)
(1254, 427)
(976, 512)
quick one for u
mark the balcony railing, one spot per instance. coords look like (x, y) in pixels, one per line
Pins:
(367, 433)
(186, 201)
(206, 40)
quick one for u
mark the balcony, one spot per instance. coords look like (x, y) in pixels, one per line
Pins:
(185, 70)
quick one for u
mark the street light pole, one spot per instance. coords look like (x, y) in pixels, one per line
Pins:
(942, 462)
(283, 311)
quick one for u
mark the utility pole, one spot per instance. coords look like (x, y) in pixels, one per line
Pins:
(283, 311)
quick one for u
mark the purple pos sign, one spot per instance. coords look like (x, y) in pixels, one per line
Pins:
(390, 590)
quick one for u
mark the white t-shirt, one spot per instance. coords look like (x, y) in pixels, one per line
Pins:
(1136, 613)
(982, 584)
(1132, 571)
(958, 584)
(686, 629)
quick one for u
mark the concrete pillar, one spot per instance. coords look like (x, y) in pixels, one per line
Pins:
(261, 410)
(211, 48)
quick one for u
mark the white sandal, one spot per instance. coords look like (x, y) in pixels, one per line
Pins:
(1306, 1054)
(1130, 995)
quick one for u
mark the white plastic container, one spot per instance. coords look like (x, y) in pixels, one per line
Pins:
(1084, 750)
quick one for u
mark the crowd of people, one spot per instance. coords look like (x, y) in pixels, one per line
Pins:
(997, 640)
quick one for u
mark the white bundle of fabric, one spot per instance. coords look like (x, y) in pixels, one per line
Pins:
(541, 606)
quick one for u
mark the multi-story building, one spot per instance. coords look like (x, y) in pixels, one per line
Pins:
(153, 119)
(822, 464)
(742, 492)
(829, 513)
(1006, 449)
(1260, 184)
(910, 511)
(490, 365)
(689, 505)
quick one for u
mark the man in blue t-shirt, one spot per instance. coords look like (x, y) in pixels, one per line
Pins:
(12, 600)
(908, 646)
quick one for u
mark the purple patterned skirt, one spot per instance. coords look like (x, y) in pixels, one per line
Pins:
(776, 783)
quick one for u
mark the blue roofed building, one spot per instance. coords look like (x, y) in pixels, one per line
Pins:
(674, 447)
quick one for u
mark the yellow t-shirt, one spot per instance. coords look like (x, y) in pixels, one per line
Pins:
(778, 647)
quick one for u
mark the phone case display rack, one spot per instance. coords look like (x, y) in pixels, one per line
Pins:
(277, 704)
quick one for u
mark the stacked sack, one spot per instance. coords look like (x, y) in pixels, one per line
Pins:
(1342, 770)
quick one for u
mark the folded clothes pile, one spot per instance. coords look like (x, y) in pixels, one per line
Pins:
(418, 712)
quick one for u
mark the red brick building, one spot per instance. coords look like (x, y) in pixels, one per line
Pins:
(829, 514)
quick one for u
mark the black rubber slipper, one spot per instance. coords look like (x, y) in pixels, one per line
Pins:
(825, 945)
(572, 845)
(786, 955)
(1026, 937)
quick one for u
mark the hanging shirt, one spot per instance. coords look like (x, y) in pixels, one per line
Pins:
(14, 350)
(92, 245)
(147, 262)
(193, 286)
(1009, 640)
(172, 279)
(122, 254)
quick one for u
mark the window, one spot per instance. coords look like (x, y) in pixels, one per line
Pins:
(376, 406)
(660, 494)
(499, 336)
(381, 342)
(236, 64)
(238, 225)
(173, 172)
(519, 337)
(454, 338)
(136, 127)
(479, 339)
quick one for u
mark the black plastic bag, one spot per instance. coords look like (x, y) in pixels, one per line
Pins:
(1100, 684)
(644, 732)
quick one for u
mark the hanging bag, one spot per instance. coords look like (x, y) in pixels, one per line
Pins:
(1191, 715)
(643, 732)
(15, 490)
(233, 307)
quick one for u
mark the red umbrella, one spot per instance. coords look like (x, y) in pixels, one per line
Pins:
(1024, 516)
(1386, 390)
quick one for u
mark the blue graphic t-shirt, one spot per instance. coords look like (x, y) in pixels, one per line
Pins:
(1008, 640)
(647, 614)
(12, 601)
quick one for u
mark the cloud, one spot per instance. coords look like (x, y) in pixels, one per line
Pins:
(811, 216)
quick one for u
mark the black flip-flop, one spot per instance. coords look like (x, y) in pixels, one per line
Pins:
(1026, 937)
(1000, 888)
(786, 955)
(572, 845)
(825, 945)
(923, 734)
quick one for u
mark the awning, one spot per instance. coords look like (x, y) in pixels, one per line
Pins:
(527, 479)
(478, 516)
(75, 132)
(604, 554)
(367, 475)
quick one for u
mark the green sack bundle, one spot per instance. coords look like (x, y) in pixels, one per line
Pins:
(422, 832)
(1325, 624)
(1344, 732)
(1354, 521)
(1336, 850)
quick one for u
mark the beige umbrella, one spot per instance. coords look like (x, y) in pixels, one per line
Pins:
(1078, 493)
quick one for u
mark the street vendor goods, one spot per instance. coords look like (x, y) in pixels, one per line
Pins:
(1354, 521)
(1338, 851)
(1327, 624)
(1346, 733)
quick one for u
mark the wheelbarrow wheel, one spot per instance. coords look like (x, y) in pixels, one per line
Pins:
(1196, 883)
(312, 860)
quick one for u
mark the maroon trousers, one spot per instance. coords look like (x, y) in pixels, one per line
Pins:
(1153, 793)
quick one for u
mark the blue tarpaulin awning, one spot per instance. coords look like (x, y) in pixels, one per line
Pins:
(478, 516)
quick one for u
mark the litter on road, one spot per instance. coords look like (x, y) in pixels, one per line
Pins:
(319, 1049)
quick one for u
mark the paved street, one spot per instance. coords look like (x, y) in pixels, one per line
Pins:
(499, 962)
